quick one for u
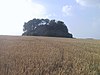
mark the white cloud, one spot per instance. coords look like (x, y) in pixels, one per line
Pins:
(94, 3)
(13, 14)
(67, 10)
(52, 15)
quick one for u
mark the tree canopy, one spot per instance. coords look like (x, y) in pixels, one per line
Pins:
(46, 27)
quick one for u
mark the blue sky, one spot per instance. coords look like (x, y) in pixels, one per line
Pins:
(81, 16)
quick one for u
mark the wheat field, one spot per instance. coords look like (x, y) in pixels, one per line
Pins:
(31, 55)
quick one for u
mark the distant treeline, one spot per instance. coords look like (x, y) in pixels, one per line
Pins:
(46, 27)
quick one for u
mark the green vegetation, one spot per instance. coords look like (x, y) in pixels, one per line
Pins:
(46, 27)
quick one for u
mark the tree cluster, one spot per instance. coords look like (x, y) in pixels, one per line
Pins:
(46, 27)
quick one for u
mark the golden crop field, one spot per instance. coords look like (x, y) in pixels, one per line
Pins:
(25, 55)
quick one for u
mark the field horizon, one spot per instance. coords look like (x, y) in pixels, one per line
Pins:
(34, 55)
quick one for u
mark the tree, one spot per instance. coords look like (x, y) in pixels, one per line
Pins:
(46, 27)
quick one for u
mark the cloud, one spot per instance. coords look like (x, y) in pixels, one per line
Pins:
(35, 9)
(89, 3)
(13, 14)
(67, 10)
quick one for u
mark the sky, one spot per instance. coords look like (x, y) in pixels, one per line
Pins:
(82, 17)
